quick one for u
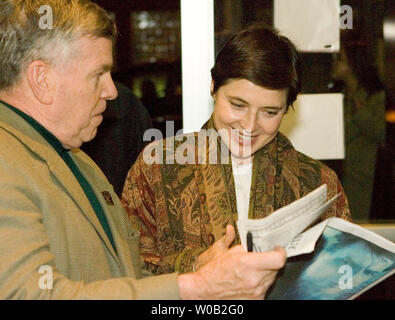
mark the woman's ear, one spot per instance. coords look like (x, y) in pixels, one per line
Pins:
(40, 82)
(212, 88)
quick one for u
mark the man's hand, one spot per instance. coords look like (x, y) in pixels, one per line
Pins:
(236, 274)
(217, 249)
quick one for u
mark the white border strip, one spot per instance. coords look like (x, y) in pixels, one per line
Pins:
(197, 37)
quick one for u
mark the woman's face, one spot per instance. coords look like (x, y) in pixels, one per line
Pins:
(247, 116)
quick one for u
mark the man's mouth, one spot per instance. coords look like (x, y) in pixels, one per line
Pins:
(100, 113)
(104, 107)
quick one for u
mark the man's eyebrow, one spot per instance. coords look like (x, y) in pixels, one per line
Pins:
(107, 67)
(102, 69)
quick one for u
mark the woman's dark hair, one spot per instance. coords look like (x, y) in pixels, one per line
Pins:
(259, 54)
(361, 63)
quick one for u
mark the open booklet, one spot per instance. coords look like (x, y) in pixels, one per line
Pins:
(335, 259)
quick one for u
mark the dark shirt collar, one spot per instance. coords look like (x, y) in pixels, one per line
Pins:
(52, 140)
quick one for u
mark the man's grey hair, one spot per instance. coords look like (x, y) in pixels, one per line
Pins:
(23, 39)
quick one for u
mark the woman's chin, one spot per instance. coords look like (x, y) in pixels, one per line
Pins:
(242, 156)
(242, 151)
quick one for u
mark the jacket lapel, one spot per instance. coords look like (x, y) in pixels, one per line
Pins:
(18, 127)
(126, 239)
(78, 194)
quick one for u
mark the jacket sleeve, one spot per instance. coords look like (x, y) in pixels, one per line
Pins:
(27, 264)
(140, 199)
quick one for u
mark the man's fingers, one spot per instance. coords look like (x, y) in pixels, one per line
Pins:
(270, 260)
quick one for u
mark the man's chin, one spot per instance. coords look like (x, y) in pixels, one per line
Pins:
(91, 136)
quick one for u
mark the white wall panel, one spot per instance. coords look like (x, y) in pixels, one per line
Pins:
(312, 25)
(316, 127)
(197, 34)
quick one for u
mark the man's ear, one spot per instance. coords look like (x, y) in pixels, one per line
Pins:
(40, 81)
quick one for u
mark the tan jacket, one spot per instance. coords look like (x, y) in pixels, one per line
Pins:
(47, 221)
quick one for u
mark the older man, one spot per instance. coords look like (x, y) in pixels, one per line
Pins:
(63, 231)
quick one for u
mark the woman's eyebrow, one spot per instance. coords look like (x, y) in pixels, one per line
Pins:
(238, 99)
(277, 108)
(273, 107)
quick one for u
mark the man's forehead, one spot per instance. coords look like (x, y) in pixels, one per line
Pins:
(89, 47)
(94, 53)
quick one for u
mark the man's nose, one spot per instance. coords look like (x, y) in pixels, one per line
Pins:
(110, 91)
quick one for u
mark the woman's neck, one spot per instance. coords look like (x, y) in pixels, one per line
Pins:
(242, 161)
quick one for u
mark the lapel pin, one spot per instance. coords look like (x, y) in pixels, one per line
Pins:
(107, 197)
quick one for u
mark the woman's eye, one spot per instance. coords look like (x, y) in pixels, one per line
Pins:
(237, 105)
(271, 113)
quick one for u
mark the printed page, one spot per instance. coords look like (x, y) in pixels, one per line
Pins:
(282, 226)
(306, 241)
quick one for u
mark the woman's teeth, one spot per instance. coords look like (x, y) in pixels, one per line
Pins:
(244, 138)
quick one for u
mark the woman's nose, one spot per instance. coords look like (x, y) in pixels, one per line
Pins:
(249, 123)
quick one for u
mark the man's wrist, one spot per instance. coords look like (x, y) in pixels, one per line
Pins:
(189, 287)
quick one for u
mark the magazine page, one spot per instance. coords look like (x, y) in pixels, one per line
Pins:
(363, 233)
(342, 266)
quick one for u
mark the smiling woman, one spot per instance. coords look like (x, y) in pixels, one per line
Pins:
(250, 115)
(182, 209)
